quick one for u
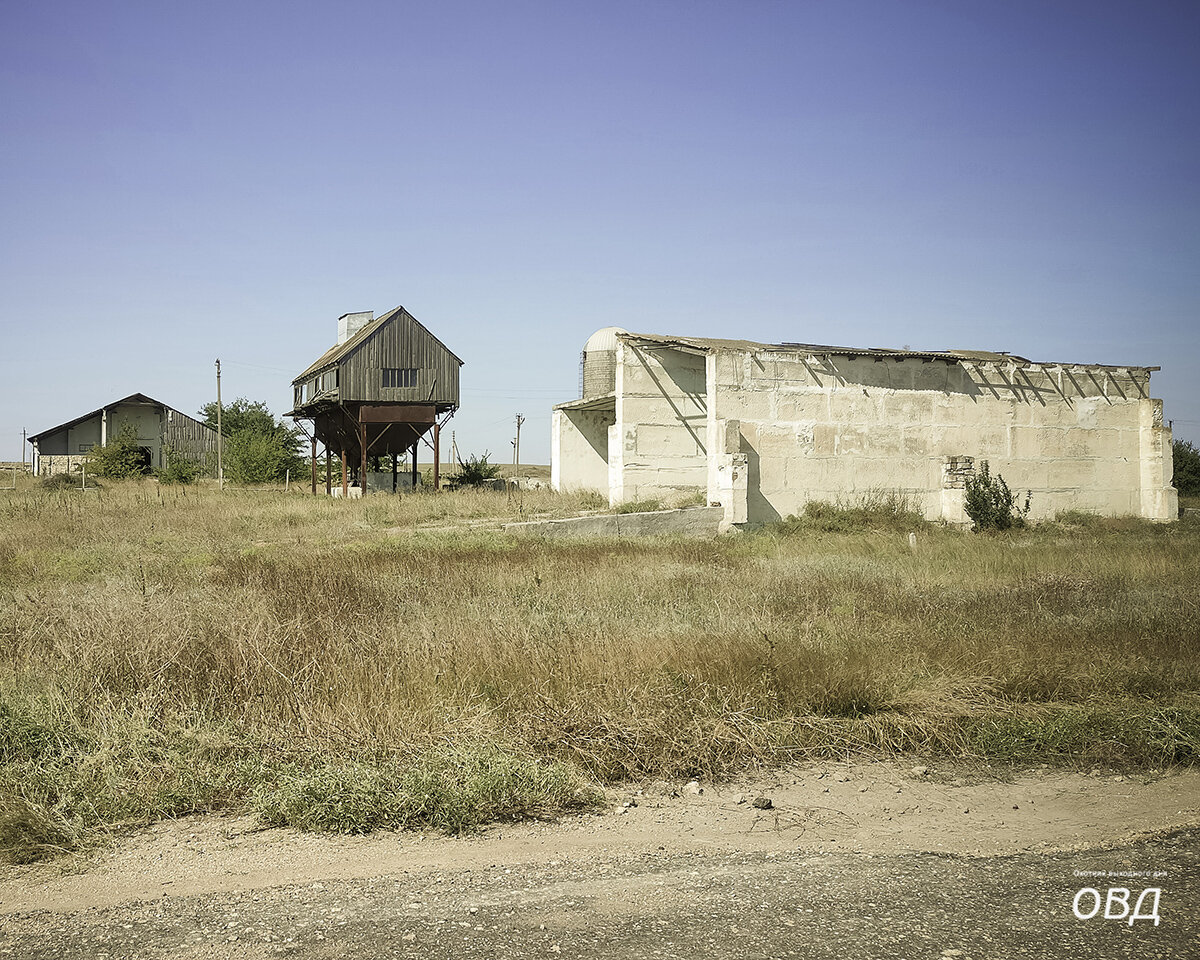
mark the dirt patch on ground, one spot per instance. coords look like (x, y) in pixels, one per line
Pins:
(872, 808)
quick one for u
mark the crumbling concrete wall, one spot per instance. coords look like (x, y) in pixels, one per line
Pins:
(657, 446)
(763, 430)
(834, 427)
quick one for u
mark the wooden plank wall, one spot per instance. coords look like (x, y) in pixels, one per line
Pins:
(401, 344)
(189, 435)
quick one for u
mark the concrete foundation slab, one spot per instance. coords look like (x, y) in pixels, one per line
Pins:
(690, 522)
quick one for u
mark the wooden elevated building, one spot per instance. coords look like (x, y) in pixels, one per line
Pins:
(377, 392)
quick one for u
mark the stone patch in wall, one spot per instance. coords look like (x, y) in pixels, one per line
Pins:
(49, 464)
(955, 471)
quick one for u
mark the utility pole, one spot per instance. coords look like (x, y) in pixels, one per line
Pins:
(24, 441)
(220, 439)
(517, 442)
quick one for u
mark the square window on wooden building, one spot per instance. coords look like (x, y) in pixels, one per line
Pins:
(399, 377)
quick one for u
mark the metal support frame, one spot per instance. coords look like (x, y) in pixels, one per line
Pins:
(362, 470)
(437, 457)
(357, 430)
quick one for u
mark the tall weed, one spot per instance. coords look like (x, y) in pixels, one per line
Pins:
(343, 665)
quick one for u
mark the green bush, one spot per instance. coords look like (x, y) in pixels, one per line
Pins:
(991, 505)
(258, 448)
(1186, 457)
(475, 471)
(253, 457)
(180, 468)
(122, 458)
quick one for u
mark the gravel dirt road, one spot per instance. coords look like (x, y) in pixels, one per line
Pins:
(851, 860)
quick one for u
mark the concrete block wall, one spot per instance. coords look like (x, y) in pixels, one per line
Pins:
(657, 446)
(834, 428)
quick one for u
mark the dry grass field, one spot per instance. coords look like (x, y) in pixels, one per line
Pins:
(400, 661)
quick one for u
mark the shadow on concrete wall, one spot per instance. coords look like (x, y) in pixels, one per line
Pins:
(758, 508)
(593, 427)
(690, 380)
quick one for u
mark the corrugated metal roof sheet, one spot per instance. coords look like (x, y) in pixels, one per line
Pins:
(602, 402)
(705, 344)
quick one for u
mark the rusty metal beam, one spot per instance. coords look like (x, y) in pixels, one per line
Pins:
(424, 413)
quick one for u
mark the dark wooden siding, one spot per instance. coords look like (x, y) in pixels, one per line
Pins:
(401, 344)
(187, 435)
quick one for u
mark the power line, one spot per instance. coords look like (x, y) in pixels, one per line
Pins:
(258, 366)
(534, 394)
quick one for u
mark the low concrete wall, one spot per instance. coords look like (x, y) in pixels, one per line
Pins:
(690, 522)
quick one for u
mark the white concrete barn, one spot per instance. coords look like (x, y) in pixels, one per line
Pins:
(63, 448)
(762, 429)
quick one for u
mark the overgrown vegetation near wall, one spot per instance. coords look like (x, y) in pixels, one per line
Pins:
(122, 458)
(339, 666)
(1186, 478)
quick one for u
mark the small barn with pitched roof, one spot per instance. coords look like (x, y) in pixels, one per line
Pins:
(158, 428)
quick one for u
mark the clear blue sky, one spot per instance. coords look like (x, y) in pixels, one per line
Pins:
(180, 182)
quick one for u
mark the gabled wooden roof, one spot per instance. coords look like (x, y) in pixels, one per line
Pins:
(340, 351)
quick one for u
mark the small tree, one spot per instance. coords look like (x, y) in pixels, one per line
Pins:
(475, 471)
(179, 468)
(258, 448)
(991, 505)
(242, 414)
(1186, 457)
(253, 457)
(122, 458)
